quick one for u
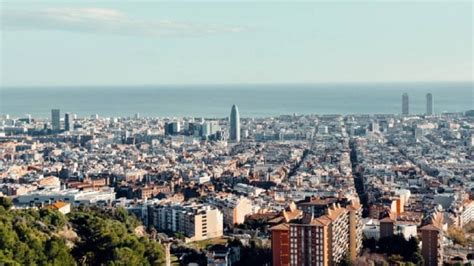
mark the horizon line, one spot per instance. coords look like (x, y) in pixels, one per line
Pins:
(241, 84)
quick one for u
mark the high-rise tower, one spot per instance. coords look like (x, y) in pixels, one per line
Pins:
(429, 104)
(68, 123)
(405, 102)
(55, 120)
(234, 124)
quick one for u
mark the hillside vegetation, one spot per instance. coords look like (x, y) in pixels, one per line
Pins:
(88, 236)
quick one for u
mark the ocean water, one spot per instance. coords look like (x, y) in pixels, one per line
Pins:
(252, 100)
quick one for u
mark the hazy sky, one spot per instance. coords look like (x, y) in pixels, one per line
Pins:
(51, 43)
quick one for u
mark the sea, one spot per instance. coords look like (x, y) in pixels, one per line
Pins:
(215, 101)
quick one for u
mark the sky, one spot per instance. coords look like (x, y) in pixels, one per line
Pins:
(76, 43)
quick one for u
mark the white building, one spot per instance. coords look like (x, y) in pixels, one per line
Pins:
(406, 230)
(248, 190)
(201, 179)
(371, 229)
(73, 196)
(196, 221)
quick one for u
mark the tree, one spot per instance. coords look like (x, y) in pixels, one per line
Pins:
(410, 248)
(53, 218)
(34, 237)
(125, 256)
(417, 259)
(194, 256)
(58, 253)
(6, 203)
(398, 245)
(155, 253)
(369, 243)
(114, 239)
(457, 235)
(179, 235)
(395, 258)
(347, 261)
(25, 239)
(255, 254)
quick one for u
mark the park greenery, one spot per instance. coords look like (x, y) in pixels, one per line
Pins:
(86, 236)
(397, 248)
(255, 253)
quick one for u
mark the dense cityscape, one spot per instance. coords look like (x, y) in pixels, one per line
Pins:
(289, 190)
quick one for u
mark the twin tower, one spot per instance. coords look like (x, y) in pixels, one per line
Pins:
(429, 104)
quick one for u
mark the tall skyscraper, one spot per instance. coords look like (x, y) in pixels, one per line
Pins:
(405, 103)
(429, 104)
(68, 122)
(55, 120)
(234, 124)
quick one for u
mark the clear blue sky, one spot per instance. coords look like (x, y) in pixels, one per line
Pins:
(50, 43)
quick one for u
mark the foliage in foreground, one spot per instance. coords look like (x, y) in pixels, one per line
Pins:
(397, 248)
(29, 237)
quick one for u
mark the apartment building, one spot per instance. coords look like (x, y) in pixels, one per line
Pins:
(151, 191)
(281, 244)
(234, 208)
(432, 240)
(196, 221)
(76, 197)
(323, 240)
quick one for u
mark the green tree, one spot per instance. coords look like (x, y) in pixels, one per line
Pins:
(125, 256)
(369, 243)
(6, 203)
(114, 239)
(58, 253)
(255, 254)
(179, 235)
(347, 261)
(155, 253)
(417, 259)
(105, 237)
(398, 245)
(54, 218)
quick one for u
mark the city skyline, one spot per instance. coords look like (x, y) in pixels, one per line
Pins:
(234, 117)
(328, 189)
(255, 101)
(114, 43)
(236, 133)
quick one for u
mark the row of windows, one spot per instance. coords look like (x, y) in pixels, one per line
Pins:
(302, 229)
